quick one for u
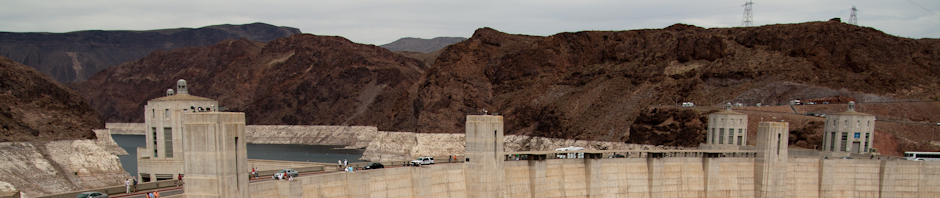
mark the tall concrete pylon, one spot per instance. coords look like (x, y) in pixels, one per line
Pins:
(770, 169)
(484, 156)
(216, 161)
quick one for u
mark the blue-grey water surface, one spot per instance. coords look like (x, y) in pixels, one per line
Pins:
(288, 152)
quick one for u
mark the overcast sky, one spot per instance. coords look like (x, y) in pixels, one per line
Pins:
(383, 21)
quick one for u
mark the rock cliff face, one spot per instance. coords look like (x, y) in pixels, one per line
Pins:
(47, 142)
(299, 80)
(58, 166)
(76, 56)
(593, 85)
(398, 146)
(34, 107)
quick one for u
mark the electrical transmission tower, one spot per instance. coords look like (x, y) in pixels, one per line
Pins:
(852, 19)
(748, 15)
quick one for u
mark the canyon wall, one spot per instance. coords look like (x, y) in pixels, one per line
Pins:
(396, 146)
(59, 166)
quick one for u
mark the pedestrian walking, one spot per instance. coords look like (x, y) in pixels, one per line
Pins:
(179, 180)
(135, 184)
(253, 172)
(127, 185)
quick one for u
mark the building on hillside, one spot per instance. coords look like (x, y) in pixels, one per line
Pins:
(162, 159)
(726, 130)
(849, 131)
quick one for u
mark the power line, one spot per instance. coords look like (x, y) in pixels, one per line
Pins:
(748, 14)
(852, 19)
(918, 5)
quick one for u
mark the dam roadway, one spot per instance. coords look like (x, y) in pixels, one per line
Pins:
(170, 191)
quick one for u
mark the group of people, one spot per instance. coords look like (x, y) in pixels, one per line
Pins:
(131, 186)
(254, 173)
(154, 194)
(128, 183)
(345, 166)
(283, 176)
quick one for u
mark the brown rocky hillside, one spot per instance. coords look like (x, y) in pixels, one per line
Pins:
(34, 107)
(594, 85)
(76, 56)
(301, 79)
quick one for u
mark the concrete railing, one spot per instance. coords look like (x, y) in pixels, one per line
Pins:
(113, 190)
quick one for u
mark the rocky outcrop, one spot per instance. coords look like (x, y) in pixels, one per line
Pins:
(107, 143)
(58, 166)
(397, 146)
(34, 107)
(592, 85)
(298, 80)
(309, 135)
(76, 56)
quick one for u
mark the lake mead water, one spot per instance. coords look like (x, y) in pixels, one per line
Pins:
(287, 152)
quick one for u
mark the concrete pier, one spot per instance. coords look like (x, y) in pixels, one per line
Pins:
(216, 158)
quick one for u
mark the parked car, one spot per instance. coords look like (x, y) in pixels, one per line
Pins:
(422, 161)
(284, 173)
(92, 194)
(373, 165)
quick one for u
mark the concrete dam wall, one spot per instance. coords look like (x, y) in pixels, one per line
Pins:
(730, 177)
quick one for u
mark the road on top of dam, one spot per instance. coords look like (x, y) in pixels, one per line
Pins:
(168, 191)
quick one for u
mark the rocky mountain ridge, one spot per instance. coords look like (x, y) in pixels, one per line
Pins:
(75, 56)
(298, 80)
(34, 107)
(591, 85)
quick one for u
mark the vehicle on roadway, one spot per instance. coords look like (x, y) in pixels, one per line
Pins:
(91, 194)
(577, 155)
(284, 173)
(922, 156)
(373, 165)
(422, 161)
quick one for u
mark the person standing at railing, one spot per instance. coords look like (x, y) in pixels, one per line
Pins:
(253, 173)
(127, 185)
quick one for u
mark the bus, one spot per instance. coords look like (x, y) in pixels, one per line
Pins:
(922, 156)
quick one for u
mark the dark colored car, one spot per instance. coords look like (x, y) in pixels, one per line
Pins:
(373, 165)
(92, 194)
